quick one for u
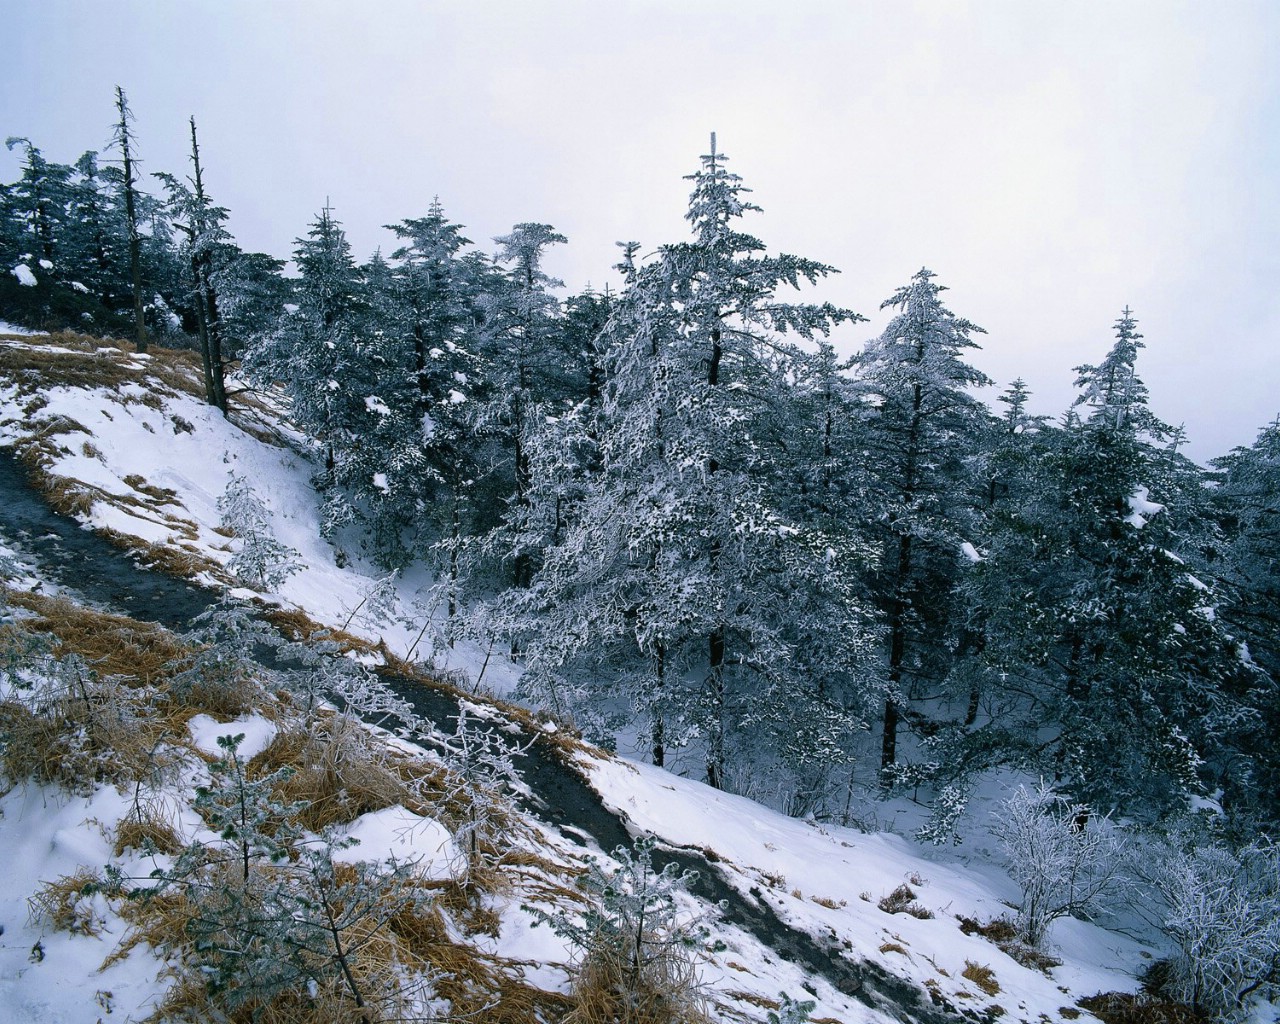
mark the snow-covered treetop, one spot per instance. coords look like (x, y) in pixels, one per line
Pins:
(1114, 391)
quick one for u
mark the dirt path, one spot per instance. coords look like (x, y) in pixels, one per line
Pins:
(86, 563)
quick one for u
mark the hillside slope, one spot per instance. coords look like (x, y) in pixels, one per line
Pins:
(124, 444)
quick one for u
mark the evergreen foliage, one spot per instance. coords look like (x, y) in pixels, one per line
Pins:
(693, 521)
(261, 560)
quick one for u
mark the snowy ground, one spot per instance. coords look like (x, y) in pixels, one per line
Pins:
(187, 448)
(826, 881)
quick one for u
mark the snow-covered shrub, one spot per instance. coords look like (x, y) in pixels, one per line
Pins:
(261, 561)
(791, 1011)
(484, 773)
(1065, 859)
(639, 943)
(63, 724)
(219, 673)
(267, 922)
(1222, 913)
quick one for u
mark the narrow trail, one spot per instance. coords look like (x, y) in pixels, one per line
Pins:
(86, 563)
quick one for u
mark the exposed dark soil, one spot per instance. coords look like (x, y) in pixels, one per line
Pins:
(105, 575)
(85, 562)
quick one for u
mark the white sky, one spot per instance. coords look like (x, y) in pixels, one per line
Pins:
(1050, 161)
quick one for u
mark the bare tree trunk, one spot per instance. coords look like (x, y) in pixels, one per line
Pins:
(124, 136)
(207, 299)
(716, 639)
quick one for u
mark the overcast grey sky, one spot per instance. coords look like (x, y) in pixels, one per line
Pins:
(1050, 161)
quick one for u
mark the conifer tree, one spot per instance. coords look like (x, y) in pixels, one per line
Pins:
(673, 577)
(320, 354)
(432, 326)
(522, 366)
(123, 138)
(1112, 639)
(926, 423)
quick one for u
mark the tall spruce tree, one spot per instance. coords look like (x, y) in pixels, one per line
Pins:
(320, 355)
(123, 139)
(522, 353)
(925, 425)
(1112, 649)
(674, 580)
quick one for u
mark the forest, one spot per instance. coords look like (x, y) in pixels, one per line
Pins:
(702, 532)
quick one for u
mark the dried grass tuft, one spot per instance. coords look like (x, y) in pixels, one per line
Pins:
(1004, 933)
(112, 644)
(339, 768)
(902, 901)
(982, 976)
(148, 828)
(1139, 1008)
(69, 903)
(84, 730)
(608, 989)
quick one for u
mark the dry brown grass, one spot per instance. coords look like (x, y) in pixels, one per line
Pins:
(608, 989)
(1139, 1008)
(418, 942)
(902, 901)
(148, 827)
(162, 495)
(80, 731)
(339, 768)
(110, 644)
(982, 976)
(35, 367)
(185, 561)
(67, 903)
(298, 625)
(1004, 933)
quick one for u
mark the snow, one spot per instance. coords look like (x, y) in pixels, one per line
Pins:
(456, 397)
(380, 482)
(793, 864)
(970, 552)
(25, 332)
(258, 733)
(24, 275)
(46, 264)
(1141, 509)
(49, 975)
(376, 405)
(82, 288)
(395, 832)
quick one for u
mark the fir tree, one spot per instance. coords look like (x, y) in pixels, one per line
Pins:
(925, 424)
(123, 139)
(676, 574)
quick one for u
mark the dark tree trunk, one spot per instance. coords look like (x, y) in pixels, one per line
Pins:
(131, 216)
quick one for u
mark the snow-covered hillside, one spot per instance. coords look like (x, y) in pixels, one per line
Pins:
(126, 444)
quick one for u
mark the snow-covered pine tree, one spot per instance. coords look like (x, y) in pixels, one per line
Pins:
(1113, 640)
(261, 560)
(426, 375)
(676, 578)
(320, 355)
(926, 424)
(523, 370)
(1247, 504)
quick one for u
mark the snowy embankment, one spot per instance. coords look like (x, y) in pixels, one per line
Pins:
(150, 459)
(142, 456)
